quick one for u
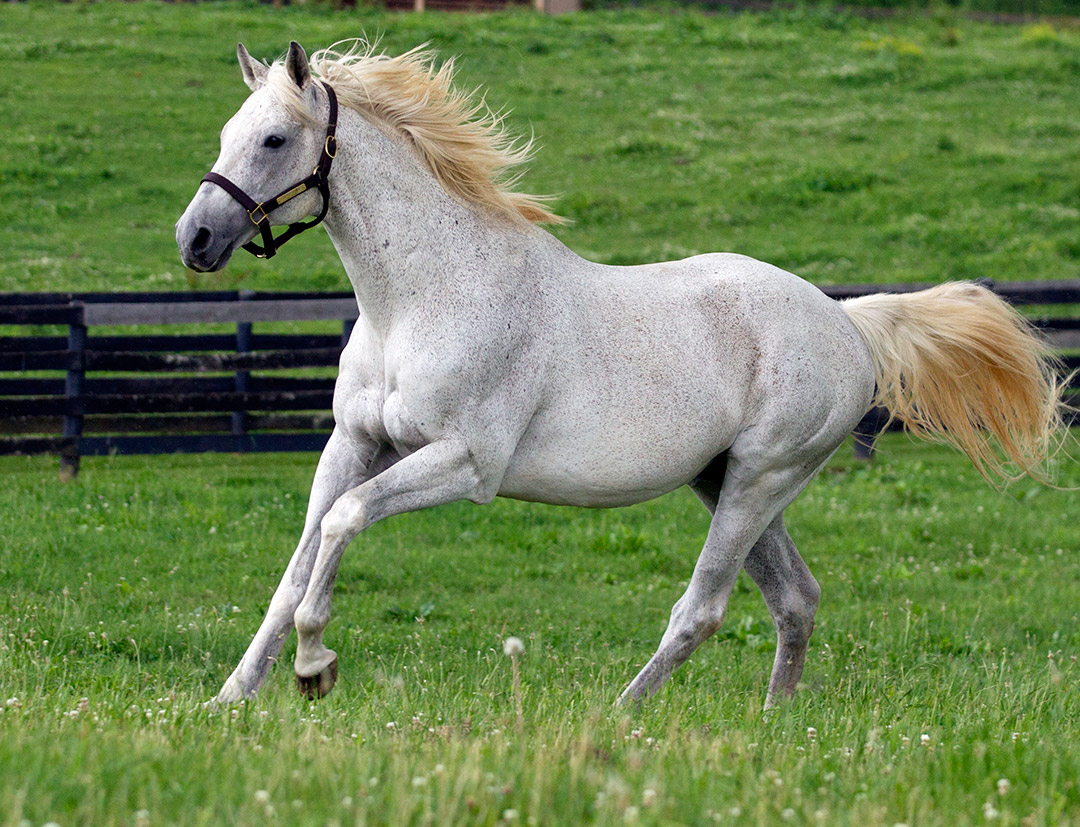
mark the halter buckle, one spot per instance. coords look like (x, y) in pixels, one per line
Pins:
(257, 221)
(330, 139)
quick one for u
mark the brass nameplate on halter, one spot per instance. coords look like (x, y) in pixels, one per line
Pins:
(295, 191)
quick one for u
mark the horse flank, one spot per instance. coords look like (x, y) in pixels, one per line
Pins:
(468, 146)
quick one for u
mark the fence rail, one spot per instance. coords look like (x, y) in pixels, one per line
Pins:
(150, 393)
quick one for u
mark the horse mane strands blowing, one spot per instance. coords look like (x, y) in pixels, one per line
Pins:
(468, 146)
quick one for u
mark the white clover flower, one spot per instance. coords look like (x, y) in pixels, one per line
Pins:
(811, 733)
(990, 812)
(262, 796)
(1003, 786)
(512, 647)
(924, 739)
(648, 797)
(510, 815)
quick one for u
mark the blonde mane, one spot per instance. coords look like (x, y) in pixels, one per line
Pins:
(467, 146)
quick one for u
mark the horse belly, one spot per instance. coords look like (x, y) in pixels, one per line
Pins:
(614, 461)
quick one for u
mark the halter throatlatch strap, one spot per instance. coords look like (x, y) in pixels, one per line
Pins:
(319, 179)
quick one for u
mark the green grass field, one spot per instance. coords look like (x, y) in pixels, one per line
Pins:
(941, 688)
(842, 149)
(944, 657)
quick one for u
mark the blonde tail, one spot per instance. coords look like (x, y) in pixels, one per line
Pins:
(957, 364)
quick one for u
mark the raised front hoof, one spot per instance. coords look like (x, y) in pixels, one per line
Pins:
(318, 685)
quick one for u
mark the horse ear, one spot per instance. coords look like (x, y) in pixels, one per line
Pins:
(254, 70)
(297, 65)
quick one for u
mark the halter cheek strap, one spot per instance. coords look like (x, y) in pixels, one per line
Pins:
(259, 213)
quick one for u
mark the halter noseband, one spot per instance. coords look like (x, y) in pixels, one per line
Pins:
(319, 179)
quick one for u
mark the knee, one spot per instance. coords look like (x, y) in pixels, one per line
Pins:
(341, 522)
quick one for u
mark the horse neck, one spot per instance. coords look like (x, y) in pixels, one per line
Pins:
(400, 236)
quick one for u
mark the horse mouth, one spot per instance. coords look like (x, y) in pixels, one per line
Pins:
(201, 263)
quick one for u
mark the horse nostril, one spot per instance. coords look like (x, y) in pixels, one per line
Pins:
(201, 240)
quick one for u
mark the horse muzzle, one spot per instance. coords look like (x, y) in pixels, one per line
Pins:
(204, 247)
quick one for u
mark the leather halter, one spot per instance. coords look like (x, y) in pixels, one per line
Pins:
(260, 213)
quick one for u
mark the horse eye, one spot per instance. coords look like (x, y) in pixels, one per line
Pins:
(274, 141)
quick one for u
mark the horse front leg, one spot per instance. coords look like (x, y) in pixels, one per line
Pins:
(343, 465)
(438, 473)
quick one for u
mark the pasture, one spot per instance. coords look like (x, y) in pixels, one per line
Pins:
(941, 682)
(943, 659)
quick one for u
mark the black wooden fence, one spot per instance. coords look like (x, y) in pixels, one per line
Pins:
(91, 390)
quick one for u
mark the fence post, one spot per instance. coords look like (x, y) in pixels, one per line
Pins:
(73, 390)
(240, 382)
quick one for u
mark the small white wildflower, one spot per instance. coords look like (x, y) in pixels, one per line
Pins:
(811, 733)
(924, 739)
(990, 812)
(440, 769)
(510, 815)
(419, 781)
(648, 797)
(262, 796)
(1016, 736)
(142, 818)
(373, 781)
(787, 814)
(512, 647)
(636, 733)
(630, 813)
(346, 802)
(391, 725)
(1003, 786)
(14, 702)
(735, 811)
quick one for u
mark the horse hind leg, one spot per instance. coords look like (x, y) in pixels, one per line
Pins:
(763, 474)
(791, 594)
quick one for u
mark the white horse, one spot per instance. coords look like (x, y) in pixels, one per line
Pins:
(490, 360)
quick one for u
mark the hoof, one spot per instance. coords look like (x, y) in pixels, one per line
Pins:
(318, 685)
